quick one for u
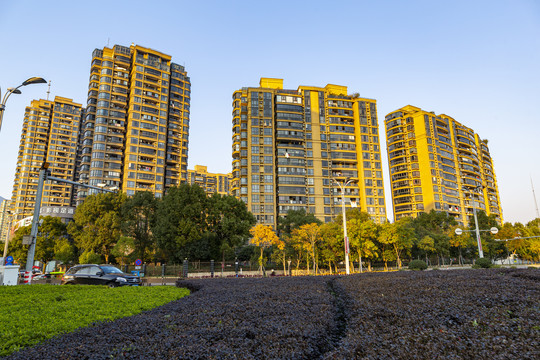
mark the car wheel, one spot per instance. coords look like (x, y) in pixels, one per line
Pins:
(112, 284)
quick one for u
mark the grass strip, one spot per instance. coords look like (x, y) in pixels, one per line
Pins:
(31, 314)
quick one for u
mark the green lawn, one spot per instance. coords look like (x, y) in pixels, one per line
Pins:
(30, 314)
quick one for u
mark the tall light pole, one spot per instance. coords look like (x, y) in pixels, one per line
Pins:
(32, 80)
(345, 237)
(478, 240)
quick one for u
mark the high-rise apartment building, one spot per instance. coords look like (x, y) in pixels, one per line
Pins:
(5, 221)
(50, 134)
(135, 132)
(291, 146)
(210, 182)
(437, 163)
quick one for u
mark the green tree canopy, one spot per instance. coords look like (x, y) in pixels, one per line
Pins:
(363, 234)
(229, 221)
(180, 225)
(138, 217)
(51, 231)
(96, 225)
(397, 238)
(293, 220)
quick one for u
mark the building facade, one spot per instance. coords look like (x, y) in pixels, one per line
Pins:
(437, 163)
(135, 132)
(291, 149)
(5, 221)
(50, 134)
(210, 182)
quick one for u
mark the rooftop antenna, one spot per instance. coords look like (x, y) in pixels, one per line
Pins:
(49, 91)
(534, 196)
(108, 40)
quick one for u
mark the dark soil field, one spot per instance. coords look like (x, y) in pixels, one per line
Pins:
(460, 314)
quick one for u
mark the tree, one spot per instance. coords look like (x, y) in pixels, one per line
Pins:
(263, 236)
(138, 216)
(96, 223)
(427, 244)
(124, 249)
(363, 234)
(180, 225)
(89, 257)
(15, 246)
(460, 242)
(230, 221)
(307, 235)
(294, 219)
(51, 230)
(331, 246)
(398, 238)
(64, 251)
(436, 225)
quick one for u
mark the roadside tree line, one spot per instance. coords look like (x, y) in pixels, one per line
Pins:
(114, 228)
(310, 244)
(186, 223)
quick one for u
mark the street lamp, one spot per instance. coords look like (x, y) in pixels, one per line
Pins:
(346, 182)
(478, 240)
(32, 80)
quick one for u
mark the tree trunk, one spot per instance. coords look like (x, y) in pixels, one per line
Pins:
(460, 257)
(369, 265)
(360, 262)
(314, 262)
(385, 265)
(260, 261)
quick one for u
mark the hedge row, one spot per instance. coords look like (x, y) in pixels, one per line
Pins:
(482, 314)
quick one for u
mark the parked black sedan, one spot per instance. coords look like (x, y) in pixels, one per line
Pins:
(99, 275)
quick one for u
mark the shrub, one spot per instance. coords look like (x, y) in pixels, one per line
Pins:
(483, 263)
(417, 265)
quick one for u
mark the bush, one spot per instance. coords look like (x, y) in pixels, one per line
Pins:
(417, 265)
(483, 263)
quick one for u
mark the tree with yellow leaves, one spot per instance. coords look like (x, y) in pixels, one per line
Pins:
(263, 237)
(307, 235)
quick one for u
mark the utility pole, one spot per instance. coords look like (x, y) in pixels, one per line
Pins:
(35, 223)
(44, 175)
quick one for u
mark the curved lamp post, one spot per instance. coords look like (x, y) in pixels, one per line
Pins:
(32, 80)
(346, 182)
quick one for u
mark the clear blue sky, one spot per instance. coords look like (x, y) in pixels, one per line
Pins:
(477, 61)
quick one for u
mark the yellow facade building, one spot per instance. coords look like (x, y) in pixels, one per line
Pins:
(5, 221)
(135, 132)
(437, 163)
(50, 134)
(291, 148)
(210, 182)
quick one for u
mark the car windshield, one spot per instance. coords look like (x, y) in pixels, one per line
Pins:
(110, 270)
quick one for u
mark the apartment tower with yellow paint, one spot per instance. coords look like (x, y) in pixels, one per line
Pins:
(292, 147)
(437, 163)
(135, 132)
(50, 134)
(211, 182)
